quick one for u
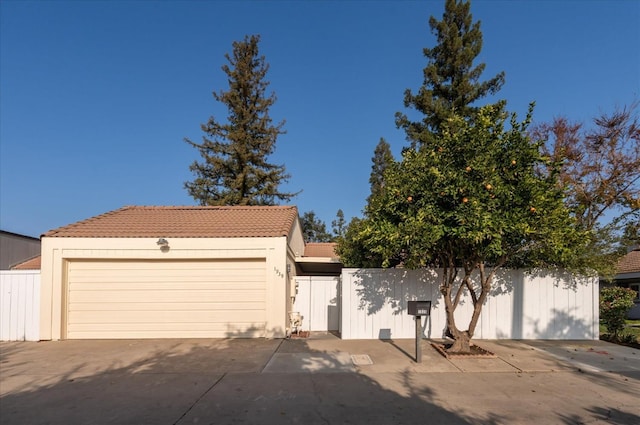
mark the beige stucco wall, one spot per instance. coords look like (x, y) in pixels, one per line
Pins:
(295, 249)
(277, 252)
(296, 239)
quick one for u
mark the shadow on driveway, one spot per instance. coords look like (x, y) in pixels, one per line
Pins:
(196, 381)
(222, 382)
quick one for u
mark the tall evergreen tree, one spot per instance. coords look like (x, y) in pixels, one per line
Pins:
(351, 247)
(339, 225)
(234, 168)
(451, 81)
(314, 229)
(382, 158)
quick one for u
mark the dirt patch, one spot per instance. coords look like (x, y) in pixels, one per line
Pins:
(475, 353)
(301, 334)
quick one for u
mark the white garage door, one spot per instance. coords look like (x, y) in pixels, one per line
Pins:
(166, 299)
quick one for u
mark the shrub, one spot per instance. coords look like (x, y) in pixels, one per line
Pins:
(615, 302)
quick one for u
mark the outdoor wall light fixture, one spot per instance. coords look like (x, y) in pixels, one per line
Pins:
(162, 242)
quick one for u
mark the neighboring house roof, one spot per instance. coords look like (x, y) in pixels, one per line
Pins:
(18, 235)
(16, 248)
(630, 263)
(321, 249)
(319, 258)
(31, 264)
(184, 221)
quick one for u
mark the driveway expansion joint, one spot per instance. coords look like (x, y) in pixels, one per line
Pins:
(199, 398)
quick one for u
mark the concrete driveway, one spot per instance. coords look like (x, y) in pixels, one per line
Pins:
(317, 380)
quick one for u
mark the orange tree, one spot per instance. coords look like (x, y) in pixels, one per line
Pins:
(477, 197)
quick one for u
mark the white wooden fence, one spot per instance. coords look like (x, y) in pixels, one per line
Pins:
(372, 304)
(19, 305)
(540, 305)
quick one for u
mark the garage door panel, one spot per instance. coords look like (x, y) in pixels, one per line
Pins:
(173, 285)
(163, 272)
(159, 306)
(167, 279)
(228, 329)
(166, 299)
(164, 296)
(156, 275)
(239, 332)
(172, 316)
(257, 264)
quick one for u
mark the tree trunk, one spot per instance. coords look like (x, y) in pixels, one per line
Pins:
(461, 343)
(462, 339)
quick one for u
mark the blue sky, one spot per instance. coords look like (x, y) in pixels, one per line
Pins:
(97, 96)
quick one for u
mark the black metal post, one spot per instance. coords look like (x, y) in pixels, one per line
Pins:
(418, 339)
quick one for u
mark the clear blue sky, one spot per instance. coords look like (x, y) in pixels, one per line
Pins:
(97, 96)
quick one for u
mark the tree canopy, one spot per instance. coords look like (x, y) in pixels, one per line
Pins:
(339, 225)
(451, 82)
(479, 196)
(601, 173)
(350, 249)
(473, 193)
(382, 158)
(234, 169)
(313, 228)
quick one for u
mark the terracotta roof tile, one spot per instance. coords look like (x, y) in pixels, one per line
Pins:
(30, 264)
(630, 263)
(185, 222)
(320, 249)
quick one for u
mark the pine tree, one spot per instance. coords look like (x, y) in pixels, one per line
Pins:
(451, 82)
(382, 158)
(314, 229)
(339, 225)
(234, 168)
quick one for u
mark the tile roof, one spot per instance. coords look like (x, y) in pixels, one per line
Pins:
(185, 222)
(30, 264)
(630, 263)
(320, 249)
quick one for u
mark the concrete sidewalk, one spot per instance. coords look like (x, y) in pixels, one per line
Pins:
(321, 379)
(324, 352)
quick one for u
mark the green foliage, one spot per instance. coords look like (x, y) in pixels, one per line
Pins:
(615, 303)
(314, 229)
(234, 168)
(473, 198)
(382, 158)
(601, 173)
(351, 247)
(339, 225)
(473, 194)
(451, 81)
(352, 250)
(472, 191)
